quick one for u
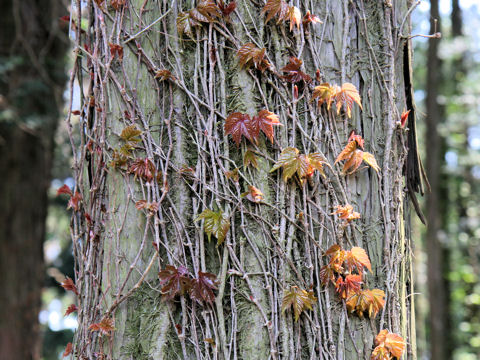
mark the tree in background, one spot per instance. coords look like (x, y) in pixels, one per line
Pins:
(240, 189)
(32, 49)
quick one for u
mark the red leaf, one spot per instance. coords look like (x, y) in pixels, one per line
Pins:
(358, 138)
(65, 189)
(351, 284)
(203, 286)
(404, 118)
(249, 55)
(228, 9)
(264, 121)
(310, 18)
(76, 112)
(74, 202)
(68, 349)
(275, 8)
(116, 50)
(327, 273)
(105, 326)
(357, 257)
(175, 281)
(69, 285)
(294, 74)
(238, 124)
(143, 168)
(71, 309)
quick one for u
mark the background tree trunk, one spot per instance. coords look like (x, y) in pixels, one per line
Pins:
(436, 206)
(31, 82)
(270, 246)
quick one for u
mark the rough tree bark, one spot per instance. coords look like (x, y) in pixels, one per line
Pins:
(269, 246)
(31, 84)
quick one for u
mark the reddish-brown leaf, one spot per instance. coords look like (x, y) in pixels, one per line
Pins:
(351, 284)
(116, 50)
(310, 18)
(203, 286)
(294, 74)
(227, 9)
(327, 273)
(371, 301)
(404, 118)
(143, 168)
(274, 8)
(74, 202)
(117, 4)
(185, 24)
(71, 309)
(68, 349)
(65, 189)
(265, 120)
(238, 124)
(164, 75)
(298, 299)
(69, 285)
(337, 257)
(105, 327)
(249, 55)
(206, 11)
(175, 281)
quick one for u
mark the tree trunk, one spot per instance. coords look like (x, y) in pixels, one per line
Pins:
(271, 245)
(436, 208)
(31, 82)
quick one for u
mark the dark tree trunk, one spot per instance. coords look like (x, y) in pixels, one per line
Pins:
(30, 96)
(435, 204)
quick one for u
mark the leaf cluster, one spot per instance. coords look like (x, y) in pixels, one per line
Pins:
(304, 165)
(283, 12)
(388, 345)
(105, 326)
(346, 213)
(345, 271)
(238, 124)
(178, 281)
(343, 96)
(249, 55)
(354, 156)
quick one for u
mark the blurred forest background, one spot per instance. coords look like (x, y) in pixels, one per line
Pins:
(447, 253)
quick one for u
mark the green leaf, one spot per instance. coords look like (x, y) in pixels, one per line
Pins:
(216, 224)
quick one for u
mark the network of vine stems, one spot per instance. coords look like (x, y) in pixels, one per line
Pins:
(287, 249)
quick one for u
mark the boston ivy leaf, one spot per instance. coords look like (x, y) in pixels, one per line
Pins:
(175, 281)
(227, 9)
(351, 284)
(249, 55)
(274, 8)
(143, 168)
(65, 189)
(203, 286)
(387, 342)
(310, 19)
(294, 16)
(71, 309)
(106, 326)
(216, 224)
(298, 299)
(346, 213)
(185, 24)
(355, 156)
(130, 134)
(294, 74)
(327, 273)
(344, 96)
(238, 124)
(288, 160)
(69, 285)
(357, 257)
(371, 301)
(68, 350)
(249, 158)
(265, 120)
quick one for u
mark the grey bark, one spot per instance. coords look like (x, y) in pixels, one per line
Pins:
(269, 247)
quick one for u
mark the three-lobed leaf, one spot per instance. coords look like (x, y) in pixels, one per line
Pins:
(344, 96)
(202, 287)
(387, 345)
(239, 124)
(215, 223)
(355, 156)
(249, 55)
(294, 74)
(299, 299)
(105, 326)
(174, 281)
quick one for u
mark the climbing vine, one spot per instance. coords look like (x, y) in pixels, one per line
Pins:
(169, 153)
